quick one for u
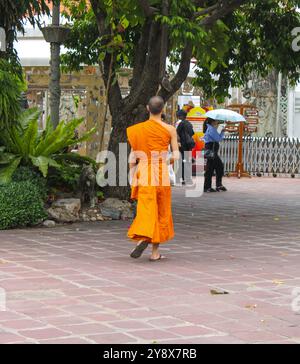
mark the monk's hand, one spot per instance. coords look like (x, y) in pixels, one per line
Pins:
(175, 156)
(171, 161)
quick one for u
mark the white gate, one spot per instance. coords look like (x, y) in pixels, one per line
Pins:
(263, 156)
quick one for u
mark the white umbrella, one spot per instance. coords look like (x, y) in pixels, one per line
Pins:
(225, 115)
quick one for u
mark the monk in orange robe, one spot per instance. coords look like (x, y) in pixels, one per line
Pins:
(151, 188)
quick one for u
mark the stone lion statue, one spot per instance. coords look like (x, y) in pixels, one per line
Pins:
(87, 185)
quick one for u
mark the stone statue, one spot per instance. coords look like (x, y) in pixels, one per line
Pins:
(87, 185)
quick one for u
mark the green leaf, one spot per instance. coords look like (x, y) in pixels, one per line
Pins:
(213, 66)
(124, 22)
(27, 116)
(30, 137)
(102, 56)
(87, 135)
(75, 158)
(7, 172)
(42, 163)
(6, 158)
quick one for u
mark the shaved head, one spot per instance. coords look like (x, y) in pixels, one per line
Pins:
(156, 105)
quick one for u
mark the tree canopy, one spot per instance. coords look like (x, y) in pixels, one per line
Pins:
(229, 39)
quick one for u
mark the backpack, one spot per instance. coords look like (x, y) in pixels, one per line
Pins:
(186, 140)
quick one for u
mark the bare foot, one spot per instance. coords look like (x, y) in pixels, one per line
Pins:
(156, 258)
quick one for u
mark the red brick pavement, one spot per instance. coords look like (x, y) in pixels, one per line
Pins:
(77, 284)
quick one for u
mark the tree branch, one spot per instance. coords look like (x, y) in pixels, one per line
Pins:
(148, 81)
(224, 9)
(100, 16)
(164, 41)
(200, 3)
(140, 54)
(114, 96)
(181, 75)
(148, 10)
(206, 11)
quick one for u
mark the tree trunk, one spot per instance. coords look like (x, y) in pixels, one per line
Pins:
(121, 121)
(118, 135)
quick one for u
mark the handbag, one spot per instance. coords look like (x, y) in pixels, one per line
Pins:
(189, 141)
(210, 153)
(172, 175)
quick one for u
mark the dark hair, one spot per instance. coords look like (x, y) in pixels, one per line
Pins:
(156, 105)
(208, 121)
(181, 114)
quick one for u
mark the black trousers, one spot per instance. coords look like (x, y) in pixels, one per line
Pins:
(213, 165)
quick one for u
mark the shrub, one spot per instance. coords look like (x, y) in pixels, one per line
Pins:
(20, 205)
(64, 179)
(67, 176)
(27, 174)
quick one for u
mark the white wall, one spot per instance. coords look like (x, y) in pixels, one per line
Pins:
(32, 48)
(294, 112)
(296, 132)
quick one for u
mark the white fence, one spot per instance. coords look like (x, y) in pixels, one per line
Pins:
(263, 156)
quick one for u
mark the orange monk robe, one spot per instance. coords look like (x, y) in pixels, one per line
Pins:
(151, 185)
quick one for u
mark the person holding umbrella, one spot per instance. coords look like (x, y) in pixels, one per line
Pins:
(212, 140)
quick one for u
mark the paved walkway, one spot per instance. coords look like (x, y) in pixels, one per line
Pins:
(76, 284)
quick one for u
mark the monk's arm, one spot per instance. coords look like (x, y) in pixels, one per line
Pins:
(174, 146)
(132, 164)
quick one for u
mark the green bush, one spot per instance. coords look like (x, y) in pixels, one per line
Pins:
(20, 205)
(27, 174)
(67, 177)
(64, 179)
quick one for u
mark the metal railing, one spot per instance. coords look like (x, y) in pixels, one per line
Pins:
(263, 156)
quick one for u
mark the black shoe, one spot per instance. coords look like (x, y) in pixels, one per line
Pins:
(210, 190)
(221, 188)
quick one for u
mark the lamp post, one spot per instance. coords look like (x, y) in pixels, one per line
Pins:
(55, 34)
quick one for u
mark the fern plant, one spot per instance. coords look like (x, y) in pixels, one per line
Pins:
(23, 144)
(11, 87)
